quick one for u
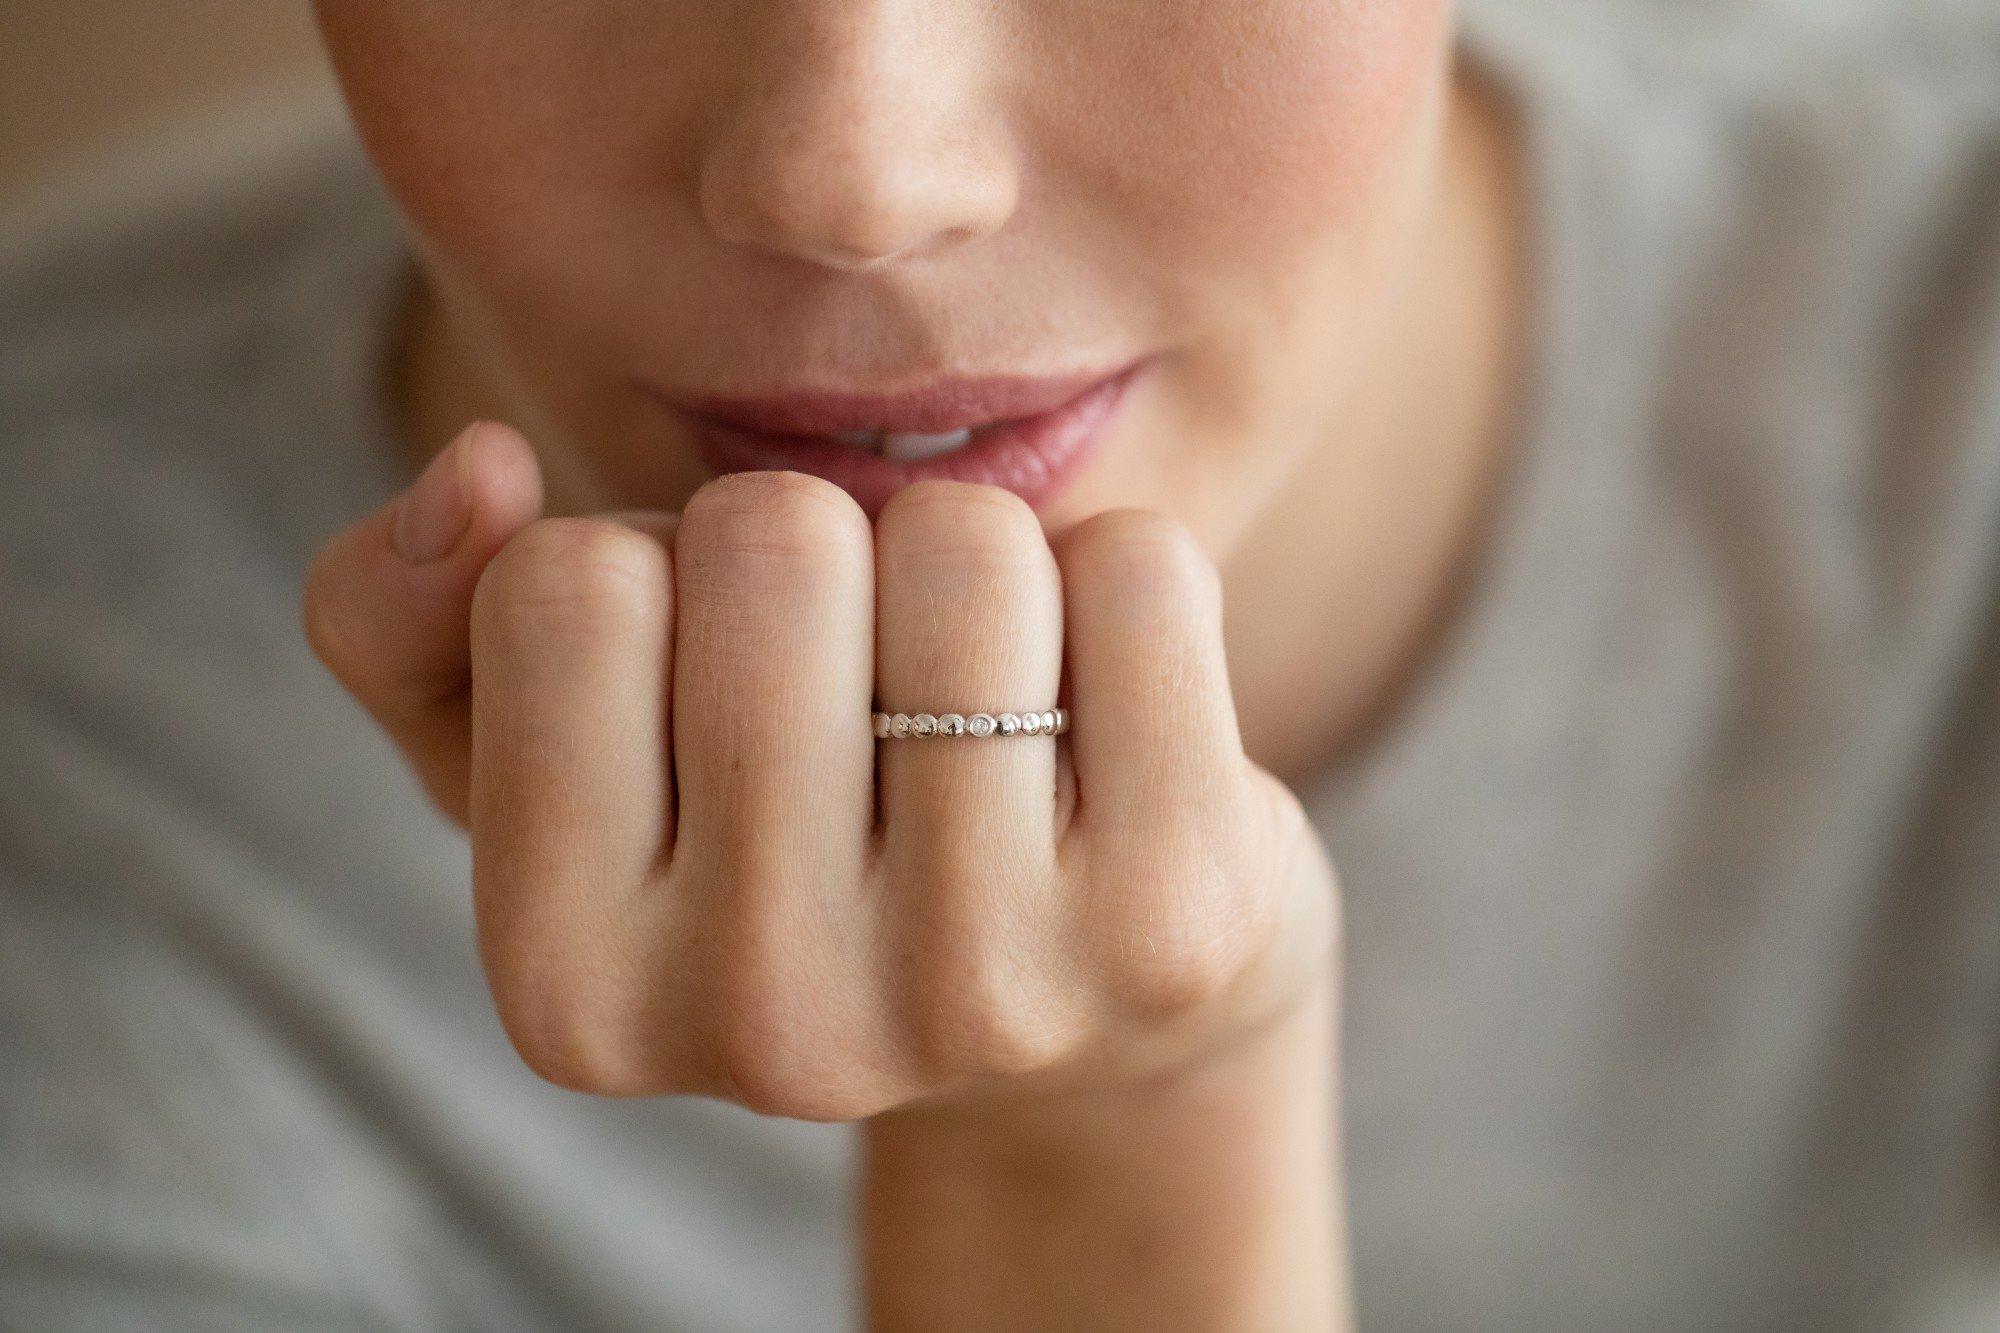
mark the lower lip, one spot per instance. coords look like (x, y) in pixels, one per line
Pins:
(1034, 457)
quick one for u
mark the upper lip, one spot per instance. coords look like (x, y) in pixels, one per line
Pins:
(935, 408)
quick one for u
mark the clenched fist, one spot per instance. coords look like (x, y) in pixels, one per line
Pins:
(697, 871)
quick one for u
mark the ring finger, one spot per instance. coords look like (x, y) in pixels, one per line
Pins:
(968, 621)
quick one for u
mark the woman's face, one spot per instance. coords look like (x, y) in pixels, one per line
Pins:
(630, 208)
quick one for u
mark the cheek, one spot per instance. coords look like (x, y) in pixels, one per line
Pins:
(1268, 207)
(1301, 122)
(417, 87)
(503, 136)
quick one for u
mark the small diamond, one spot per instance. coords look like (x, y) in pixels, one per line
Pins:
(1010, 724)
(1031, 724)
(980, 724)
(923, 724)
(899, 726)
(881, 726)
(951, 724)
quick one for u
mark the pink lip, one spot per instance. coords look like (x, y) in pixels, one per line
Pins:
(1038, 433)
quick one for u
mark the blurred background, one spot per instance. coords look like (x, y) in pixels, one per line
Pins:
(79, 77)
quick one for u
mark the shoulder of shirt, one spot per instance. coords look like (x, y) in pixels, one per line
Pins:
(1775, 83)
(1745, 54)
(1747, 160)
(206, 231)
(1775, 282)
(184, 333)
(1700, 128)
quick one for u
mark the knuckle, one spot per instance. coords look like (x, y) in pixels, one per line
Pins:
(772, 1070)
(1187, 952)
(571, 575)
(977, 1001)
(576, 1036)
(978, 1020)
(769, 529)
(573, 1000)
(1137, 552)
(1168, 972)
(960, 528)
(784, 1041)
(764, 1088)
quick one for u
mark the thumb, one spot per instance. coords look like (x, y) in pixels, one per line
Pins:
(388, 602)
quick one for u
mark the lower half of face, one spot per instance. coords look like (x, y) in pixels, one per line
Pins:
(1129, 253)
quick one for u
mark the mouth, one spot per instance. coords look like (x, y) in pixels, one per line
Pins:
(1028, 435)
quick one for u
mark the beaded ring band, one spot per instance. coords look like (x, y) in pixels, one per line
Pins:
(905, 726)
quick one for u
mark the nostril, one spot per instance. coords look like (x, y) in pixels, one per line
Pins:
(854, 191)
(860, 246)
(854, 227)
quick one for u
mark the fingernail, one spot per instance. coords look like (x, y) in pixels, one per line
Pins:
(437, 510)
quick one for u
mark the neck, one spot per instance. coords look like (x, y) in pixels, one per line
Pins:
(1351, 576)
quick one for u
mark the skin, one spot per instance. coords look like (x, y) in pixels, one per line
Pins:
(1081, 993)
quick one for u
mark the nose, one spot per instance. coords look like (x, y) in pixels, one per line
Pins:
(859, 139)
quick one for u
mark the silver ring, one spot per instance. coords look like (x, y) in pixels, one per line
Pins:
(909, 726)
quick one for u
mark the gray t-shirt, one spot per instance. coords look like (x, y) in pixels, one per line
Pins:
(1673, 976)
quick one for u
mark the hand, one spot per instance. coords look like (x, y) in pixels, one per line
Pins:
(688, 878)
